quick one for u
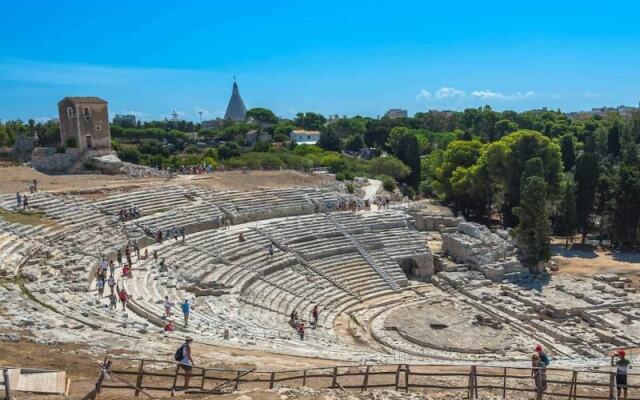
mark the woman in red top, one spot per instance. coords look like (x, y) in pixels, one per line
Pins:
(124, 297)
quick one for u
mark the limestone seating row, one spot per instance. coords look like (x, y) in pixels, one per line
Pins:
(187, 217)
(147, 200)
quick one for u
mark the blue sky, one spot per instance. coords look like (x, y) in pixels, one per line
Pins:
(342, 57)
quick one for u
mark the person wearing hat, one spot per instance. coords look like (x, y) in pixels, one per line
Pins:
(622, 368)
(544, 359)
(186, 362)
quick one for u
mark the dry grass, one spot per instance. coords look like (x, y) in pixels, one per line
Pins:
(33, 218)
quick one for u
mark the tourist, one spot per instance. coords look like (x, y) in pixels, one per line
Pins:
(315, 313)
(104, 265)
(183, 356)
(622, 368)
(112, 301)
(544, 359)
(34, 186)
(124, 297)
(155, 256)
(111, 282)
(241, 237)
(186, 309)
(112, 267)
(119, 257)
(182, 233)
(539, 375)
(168, 305)
(159, 237)
(100, 287)
(25, 203)
(19, 199)
(168, 327)
(270, 251)
(126, 271)
(301, 330)
(136, 249)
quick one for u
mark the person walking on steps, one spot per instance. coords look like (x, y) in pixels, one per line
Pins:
(186, 309)
(301, 330)
(622, 369)
(315, 313)
(168, 305)
(183, 357)
(270, 251)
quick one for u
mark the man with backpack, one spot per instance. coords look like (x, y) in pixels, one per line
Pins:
(183, 357)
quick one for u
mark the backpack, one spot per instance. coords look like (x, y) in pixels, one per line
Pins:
(179, 354)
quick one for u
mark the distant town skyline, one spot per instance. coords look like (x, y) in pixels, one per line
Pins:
(345, 58)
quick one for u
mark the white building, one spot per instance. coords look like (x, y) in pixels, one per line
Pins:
(300, 136)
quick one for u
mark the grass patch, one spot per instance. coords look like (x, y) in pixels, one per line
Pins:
(34, 218)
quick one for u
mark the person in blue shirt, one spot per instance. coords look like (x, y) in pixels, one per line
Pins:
(186, 309)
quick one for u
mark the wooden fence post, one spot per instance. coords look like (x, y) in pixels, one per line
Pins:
(397, 377)
(304, 377)
(272, 379)
(573, 388)
(175, 381)
(504, 383)
(473, 384)
(407, 372)
(139, 380)
(365, 381)
(7, 384)
(204, 377)
(235, 387)
(335, 378)
(612, 382)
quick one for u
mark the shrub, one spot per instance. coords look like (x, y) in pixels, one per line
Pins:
(61, 150)
(388, 183)
(71, 142)
(350, 187)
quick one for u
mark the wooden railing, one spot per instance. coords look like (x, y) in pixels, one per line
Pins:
(472, 381)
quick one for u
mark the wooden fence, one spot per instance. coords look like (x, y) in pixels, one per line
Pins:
(147, 376)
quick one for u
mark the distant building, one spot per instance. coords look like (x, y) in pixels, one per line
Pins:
(125, 120)
(396, 113)
(300, 136)
(236, 110)
(623, 111)
(84, 120)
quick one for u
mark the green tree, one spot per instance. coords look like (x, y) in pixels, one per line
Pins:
(262, 116)
(355, 143)
(505, 160)
(626, 215)
(534, 228)
(566, 221)
(329, 140)
(229, 150)
(586, 178)
(568, 150)
(310, 121)
(404, 145)
(389, 166)
(613, 139)
(505, 127)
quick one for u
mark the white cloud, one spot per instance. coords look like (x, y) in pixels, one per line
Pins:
(592, 95)
(491, 95)
(423, 95)
(449, 93)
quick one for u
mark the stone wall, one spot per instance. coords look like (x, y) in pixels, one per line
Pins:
(49, 160)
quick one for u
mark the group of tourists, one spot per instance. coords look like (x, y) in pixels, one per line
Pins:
(382, 202)
(195, 169)
(170, 233)
(352, 205)
(22, 202)
(185, 307)
(223, 222)
(126, 214)
(540, 361)
(298, 324)
(106, 274)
